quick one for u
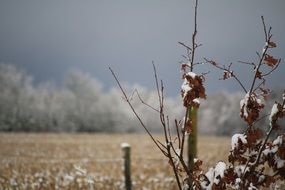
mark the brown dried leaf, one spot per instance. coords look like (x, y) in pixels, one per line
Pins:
(253, 135)
(197, 165)
(196, 91)
(184, 67)
(250, 108)
(270, 60)
(227, 75)
(213, 62)
(281, 152)
(272, 45)
(259, 74)
(268, 180)
(265, 93)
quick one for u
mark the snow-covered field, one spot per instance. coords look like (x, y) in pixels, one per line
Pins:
(90, 161)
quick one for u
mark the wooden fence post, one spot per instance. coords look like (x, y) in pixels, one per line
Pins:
(126, 149)
(192, 139)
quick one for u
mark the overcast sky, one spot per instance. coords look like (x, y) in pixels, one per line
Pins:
(49, 38)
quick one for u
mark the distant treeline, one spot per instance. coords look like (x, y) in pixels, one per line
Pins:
(81, 105)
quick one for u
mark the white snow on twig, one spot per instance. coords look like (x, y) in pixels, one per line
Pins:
(274, 111)
(185, 87)
(270, 150)
(236, 138)
(264, 48)
(191, 74)
(243, 104)
(240, 169)
(196, 101)
(278, 141)
(280, 163)
(214, 175)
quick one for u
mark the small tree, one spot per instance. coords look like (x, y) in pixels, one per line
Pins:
(255, 160)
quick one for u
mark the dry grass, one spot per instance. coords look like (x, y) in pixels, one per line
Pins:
(48, 161)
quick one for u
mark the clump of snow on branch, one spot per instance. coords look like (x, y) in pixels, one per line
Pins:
(274, 111)
(192, 89)
(214, 176)
(236, 139)
(250, 107)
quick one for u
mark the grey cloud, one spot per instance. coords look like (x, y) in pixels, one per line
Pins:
(50, 37)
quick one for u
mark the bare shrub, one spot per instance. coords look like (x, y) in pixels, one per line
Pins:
(255, 160)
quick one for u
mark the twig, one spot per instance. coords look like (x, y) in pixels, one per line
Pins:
(265, 141)
(160, 93)
(227, 70)
(162, 144)
(178, 134)
(267, 40)
(194, 45)
(264, 28)
(168, 128)
(263, 146)
(259, 85)
(187, 47)
(260, 119)
(247, 63)
(268, 73)
(183, 131)
(180, 157)
(143, 102)
(134, 111)
(174, 169)
(156, 83)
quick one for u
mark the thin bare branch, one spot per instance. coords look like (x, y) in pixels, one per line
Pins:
(259, 85)
(259, 119)
(264, 28)
(227, 70)
(265, 141)
(168, 128)
(267, 40)
(273, 69)
(143, 102)
(184, 45)
(183, 131)
(162, 145)
(247, 63)
(134, 111)
(160, 93)
(174, 168)
(258, 55)
(156, 83)
(178, 133)
(181, 159)
(194, 45)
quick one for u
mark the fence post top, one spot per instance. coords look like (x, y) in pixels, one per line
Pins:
(125, 145)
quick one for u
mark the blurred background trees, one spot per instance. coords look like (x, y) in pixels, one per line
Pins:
(82, 105)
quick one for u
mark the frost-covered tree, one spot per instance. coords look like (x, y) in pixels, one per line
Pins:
(219, 115)
(16, 96)
(82, 105)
